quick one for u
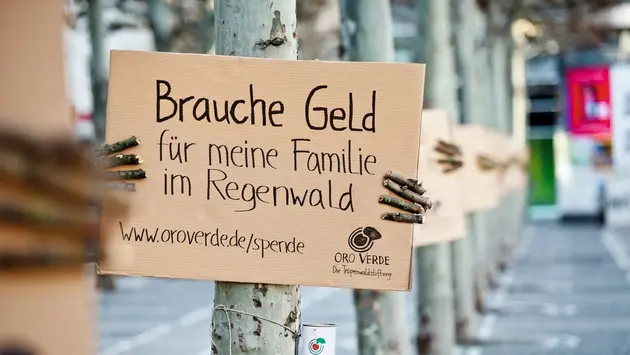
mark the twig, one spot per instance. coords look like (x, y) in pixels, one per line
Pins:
(485, 163)
(401, 204)
(72, 228)
(403, 217)
(120, 185)
(450, 161)
(48, 183)
(119, 160)
(54, 152)
(117, 147)
(411, 184)
(137, 174)
(447, 148)
(408, 194)
(452, 168)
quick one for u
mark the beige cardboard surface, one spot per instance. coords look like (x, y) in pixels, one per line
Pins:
(33, 94)
(215, 216)
(50, 311)
(480, 189)
(515, 178)
(446, 221)
(499, 144)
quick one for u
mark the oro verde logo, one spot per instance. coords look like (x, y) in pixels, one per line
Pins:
(362, 240)
(316, 346)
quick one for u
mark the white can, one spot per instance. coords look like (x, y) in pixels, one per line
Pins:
(318, 339)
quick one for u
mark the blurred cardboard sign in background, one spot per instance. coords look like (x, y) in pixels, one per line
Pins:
(480, 188)
(34, 303)
(264, 170)
(446, 221)
(514, 177)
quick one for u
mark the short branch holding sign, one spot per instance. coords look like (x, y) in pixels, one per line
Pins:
(409, 189)
(45, 185)
(49, 182)
(453, 156)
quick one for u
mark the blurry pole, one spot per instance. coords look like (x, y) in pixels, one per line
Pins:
(159, 20)
(435, 283)
(462, 250)
(503, 52)
(99, 76)
(474, 111)
(381, 316)
(240, 24)
(98, 67)
(319, 29)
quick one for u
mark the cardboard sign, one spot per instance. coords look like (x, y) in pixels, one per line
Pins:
(501, 152)
(446, 220)
(47, 311)
(480, 188)
(265, 170)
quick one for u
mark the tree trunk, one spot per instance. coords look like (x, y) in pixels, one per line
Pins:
(319, 26)
(159, 19)
(381, 316)
(471, 61)
(435, 296)
(463, 249)
(240, 25)
(98, 68)
(99, 75)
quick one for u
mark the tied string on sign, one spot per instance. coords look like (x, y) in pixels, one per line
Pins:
(220, 307)
(451, 159)
(50, 187)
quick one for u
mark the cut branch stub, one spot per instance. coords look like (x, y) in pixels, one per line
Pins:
(447, 148)
(119, 160)
(105, 159)
(64, 226)
(117, 147)
(486, 163)
(411, 184)
(401, 204)
(51, 183)
(136, 174)
(403, 217)
(452, 168)
(450, 161)
(120, 185)
(408, 194)
(56, 152)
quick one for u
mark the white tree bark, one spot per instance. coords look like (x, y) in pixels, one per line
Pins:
(463, 249)
(381, 316)
(266, 29)
(319, 25)
(437, 325)
(474, 78)
(98, 67)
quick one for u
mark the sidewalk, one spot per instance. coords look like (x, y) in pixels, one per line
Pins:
(565, 294)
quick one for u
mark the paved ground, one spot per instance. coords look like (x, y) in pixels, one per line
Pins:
(567, 294)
